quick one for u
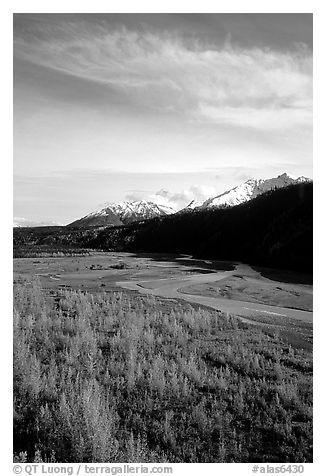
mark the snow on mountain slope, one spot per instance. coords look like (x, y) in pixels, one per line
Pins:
(193, 204)
(141, 210)
(251, 189)
(123, 213)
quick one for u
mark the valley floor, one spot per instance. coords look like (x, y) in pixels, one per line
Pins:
(233, 288)
(103, 373)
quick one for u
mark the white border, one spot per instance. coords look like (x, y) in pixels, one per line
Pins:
(168, 6)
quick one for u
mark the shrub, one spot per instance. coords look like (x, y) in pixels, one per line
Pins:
(113, 378)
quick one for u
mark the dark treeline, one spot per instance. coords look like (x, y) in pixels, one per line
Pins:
(275, 230)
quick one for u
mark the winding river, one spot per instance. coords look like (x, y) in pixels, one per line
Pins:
(172, 288)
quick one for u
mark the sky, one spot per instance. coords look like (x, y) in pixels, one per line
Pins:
(162, 107)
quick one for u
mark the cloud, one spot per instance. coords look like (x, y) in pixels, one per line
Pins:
(263, 118)
(242, 87)
(176, 200)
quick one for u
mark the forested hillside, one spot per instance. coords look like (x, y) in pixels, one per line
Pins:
(274, 229)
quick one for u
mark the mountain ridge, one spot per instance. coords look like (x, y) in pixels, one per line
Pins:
(127, 212)
(274, 229)
(250, 189)
(123, 213)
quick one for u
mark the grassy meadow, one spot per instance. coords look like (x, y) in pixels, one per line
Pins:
(115, 377)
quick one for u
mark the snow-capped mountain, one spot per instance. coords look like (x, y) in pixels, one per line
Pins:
(25, 223)
(249, 190)
(140, 210)
(123, 213)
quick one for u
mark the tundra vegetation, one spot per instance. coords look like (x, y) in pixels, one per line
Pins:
(114, 378)
(35, 251)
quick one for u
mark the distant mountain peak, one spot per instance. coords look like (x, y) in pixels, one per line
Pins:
(248, 190)
(19, 222)
(123, 213)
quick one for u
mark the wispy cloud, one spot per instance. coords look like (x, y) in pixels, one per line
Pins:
(257, 118)
(257, 88)
(176, 200)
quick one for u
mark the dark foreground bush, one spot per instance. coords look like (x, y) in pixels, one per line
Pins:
(114, 379)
